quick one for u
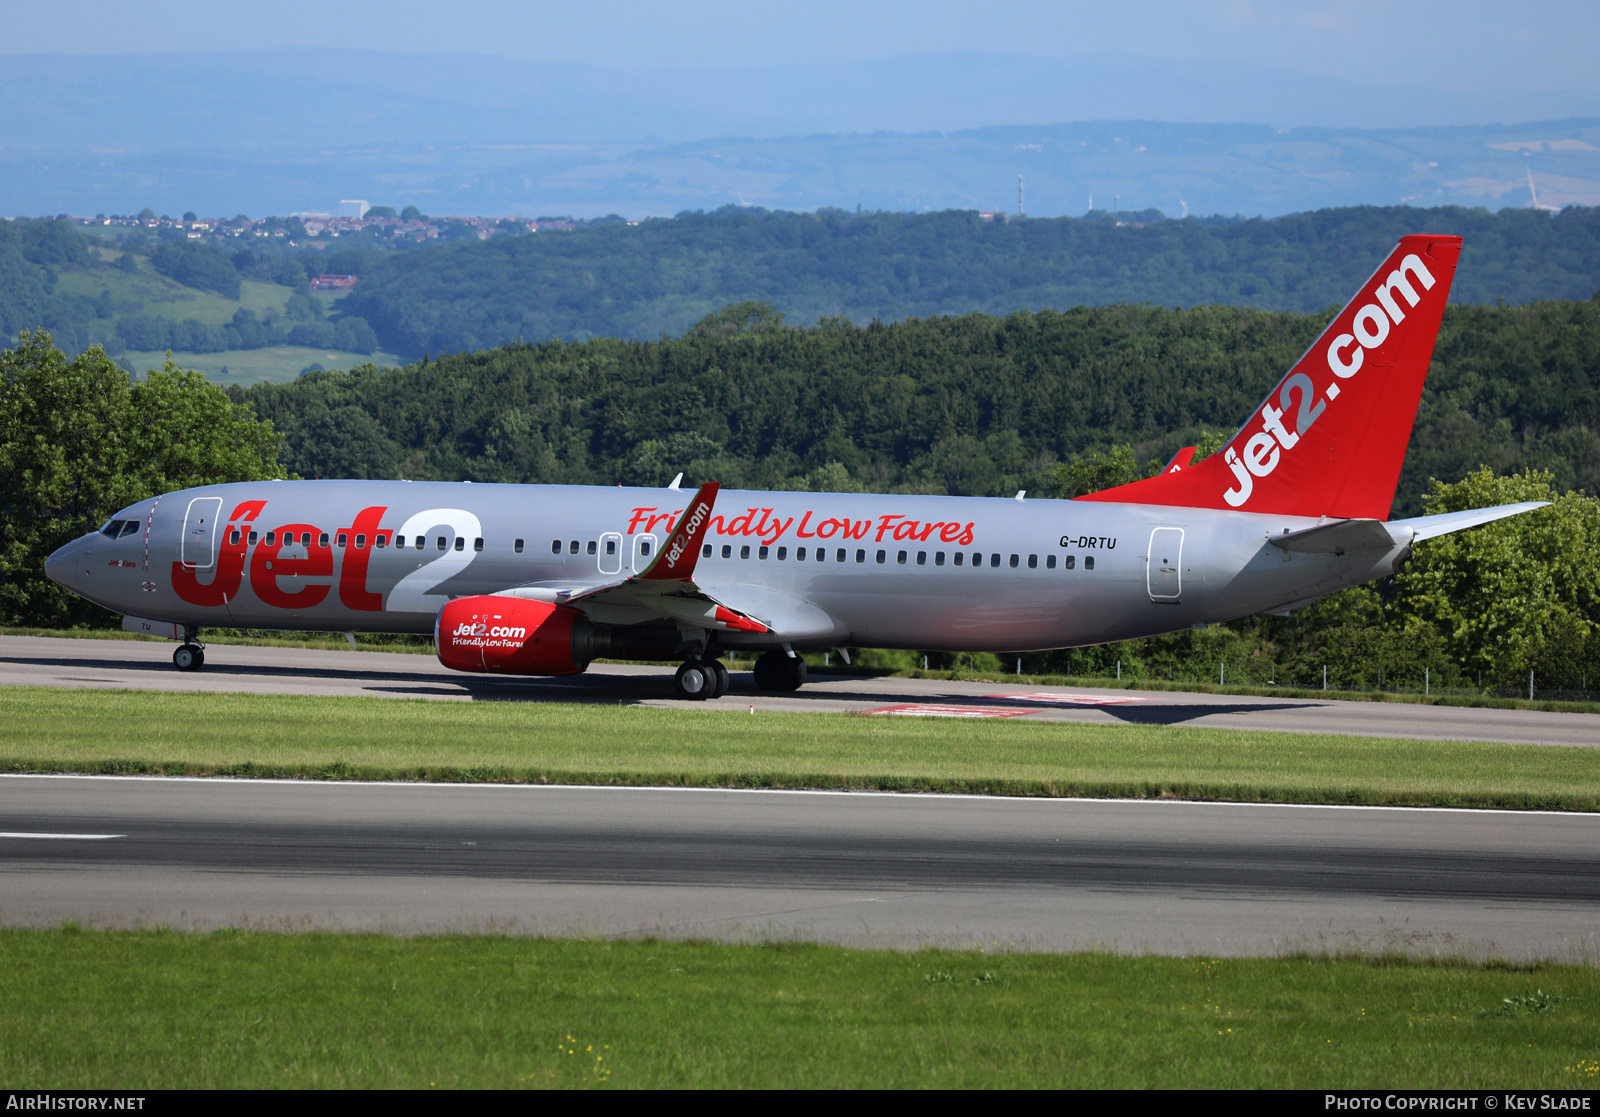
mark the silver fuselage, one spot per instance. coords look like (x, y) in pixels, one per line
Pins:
(1031, 574)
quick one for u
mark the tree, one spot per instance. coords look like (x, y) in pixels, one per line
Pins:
(1516, 595)
(412, 213)
(79, 440)
(383, 211)
(1101, 469)
(189, 215)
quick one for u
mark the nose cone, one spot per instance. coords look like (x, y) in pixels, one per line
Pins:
(62, 565)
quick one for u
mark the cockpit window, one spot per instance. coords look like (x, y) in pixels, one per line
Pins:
(129, 527)
(112, 528)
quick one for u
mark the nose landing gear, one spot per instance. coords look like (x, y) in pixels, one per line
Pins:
(191, 654)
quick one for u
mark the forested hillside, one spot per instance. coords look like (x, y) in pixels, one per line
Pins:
(973, 405)
(659, 277)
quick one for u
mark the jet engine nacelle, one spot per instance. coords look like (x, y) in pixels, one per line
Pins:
(512, 636)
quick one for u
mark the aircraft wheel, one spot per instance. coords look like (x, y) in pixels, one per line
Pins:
(188, 657)
(777, 671)
(793, 675)
(764, 671)
(696, 681)
(721, 672)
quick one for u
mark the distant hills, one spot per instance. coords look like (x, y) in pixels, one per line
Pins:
(661, 276)
(213, 291)
(279, 131)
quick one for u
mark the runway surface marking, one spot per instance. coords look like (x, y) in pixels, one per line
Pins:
(1054, 699)
(930, 710)
(65, 837)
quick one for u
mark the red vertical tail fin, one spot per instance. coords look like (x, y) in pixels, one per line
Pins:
(1331, 437)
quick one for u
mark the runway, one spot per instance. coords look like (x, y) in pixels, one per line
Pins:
(34, 661)
(860, 869)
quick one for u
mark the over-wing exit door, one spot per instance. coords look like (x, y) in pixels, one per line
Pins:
(1165, 564)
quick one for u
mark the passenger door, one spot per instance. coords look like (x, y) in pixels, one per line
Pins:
(1164, 564)
(198, 550)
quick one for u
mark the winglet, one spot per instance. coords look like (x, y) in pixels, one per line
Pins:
(1179, 460)
(676, 560)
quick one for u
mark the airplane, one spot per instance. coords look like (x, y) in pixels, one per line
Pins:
(542, 579)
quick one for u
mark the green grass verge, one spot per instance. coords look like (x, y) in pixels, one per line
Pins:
(45, 729)
(247, 1010)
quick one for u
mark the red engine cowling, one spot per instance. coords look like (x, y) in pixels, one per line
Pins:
(508, 635)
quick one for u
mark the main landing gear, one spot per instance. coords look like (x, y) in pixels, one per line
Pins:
(191, 654)
(700, 679)
(780, 671)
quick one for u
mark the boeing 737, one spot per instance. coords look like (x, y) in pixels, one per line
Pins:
(542, 579)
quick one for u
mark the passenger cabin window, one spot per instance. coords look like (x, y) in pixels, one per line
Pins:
(861, 554)
(380, 541)
(516, 546)
(1049, 562)
(611, 546)
(994, 559)
(744, 552)
(783, 553)
(761, 553)
(1088, 562)
(477, 544)
(233, 536)
(272, 538)
(705, 552)
(572, 548)
(960, 558)
(799, 554)
(252, 537)
(555, 546)
(881, 555)
(922, 558)
(644, 549)
(399, 541)
(838, 556)
(361, 542)
(938, 558)
(1014, 561)
(1069, 562)
(441, 543)
(1033, 562)
(421, 540)
(305, 539)
(593, 548)
(461, 542)
(341, 539)
(727, 550)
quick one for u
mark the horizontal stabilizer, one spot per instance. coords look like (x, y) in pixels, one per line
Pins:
(1336, 538)
(1426, 527)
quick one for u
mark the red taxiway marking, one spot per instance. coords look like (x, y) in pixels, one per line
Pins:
(928, 710)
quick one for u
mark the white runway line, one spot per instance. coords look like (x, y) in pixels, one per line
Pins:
(64, 837)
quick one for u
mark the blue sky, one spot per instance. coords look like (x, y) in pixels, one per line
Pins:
(1467, 45)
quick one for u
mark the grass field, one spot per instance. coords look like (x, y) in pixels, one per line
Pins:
(158, 1009)
(49, 729)
(250, 366)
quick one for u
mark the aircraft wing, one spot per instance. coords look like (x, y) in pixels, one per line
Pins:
(663, 590)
